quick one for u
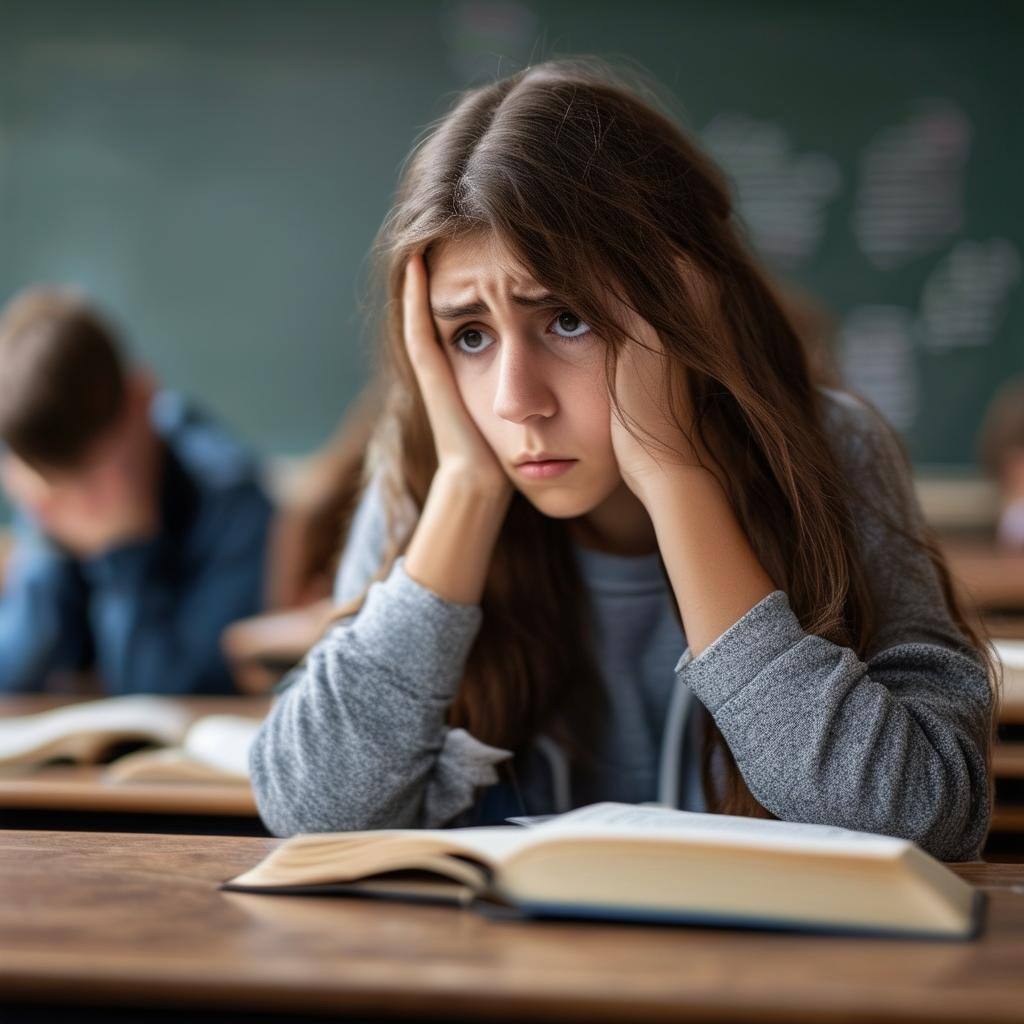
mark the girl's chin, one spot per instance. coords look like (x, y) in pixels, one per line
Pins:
(560, 502)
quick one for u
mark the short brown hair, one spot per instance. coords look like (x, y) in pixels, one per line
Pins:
(62, 377)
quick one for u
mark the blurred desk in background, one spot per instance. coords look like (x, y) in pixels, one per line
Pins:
(1006, 839)
(990, 581)
(77, 796)
(989, 578)
(197, 706)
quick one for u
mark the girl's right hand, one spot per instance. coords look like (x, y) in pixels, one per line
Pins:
(461, 448)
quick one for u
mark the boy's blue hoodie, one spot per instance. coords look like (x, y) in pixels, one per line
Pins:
(147, 617)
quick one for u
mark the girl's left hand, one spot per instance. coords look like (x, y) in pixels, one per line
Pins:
(662, 449)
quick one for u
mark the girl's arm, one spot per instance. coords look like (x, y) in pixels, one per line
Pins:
(895, 743)
(451, 549)
(714, 572)
(715, 575)
(360, 740)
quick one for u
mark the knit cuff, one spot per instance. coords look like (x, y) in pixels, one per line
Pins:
(728, 664)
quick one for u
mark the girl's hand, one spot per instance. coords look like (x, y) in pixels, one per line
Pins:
(662, 451)
(451, 548)
(461, 448)
(700, 538)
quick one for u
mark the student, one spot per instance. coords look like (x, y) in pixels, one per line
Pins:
(1002, 454)
(141, 525)
(615, 543)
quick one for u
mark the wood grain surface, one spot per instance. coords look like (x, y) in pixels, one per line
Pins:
(99, 920)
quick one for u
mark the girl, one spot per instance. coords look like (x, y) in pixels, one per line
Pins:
(616, 544)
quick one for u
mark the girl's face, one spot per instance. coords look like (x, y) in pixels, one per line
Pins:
(531, 373)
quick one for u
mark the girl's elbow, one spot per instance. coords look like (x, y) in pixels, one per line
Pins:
(287, 808)
(953, 820)
(284, 798)
(963, 838)
(291, 802)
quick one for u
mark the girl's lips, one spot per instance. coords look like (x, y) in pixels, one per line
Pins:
(548, 468)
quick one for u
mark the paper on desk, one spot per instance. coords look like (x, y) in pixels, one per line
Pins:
(161, 719)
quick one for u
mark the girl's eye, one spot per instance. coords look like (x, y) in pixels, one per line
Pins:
(569, 325)
(472, 342)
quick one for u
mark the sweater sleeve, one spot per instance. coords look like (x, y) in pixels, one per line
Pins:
(358, 739)
(894, 742)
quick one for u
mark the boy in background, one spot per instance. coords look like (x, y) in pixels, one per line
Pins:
(1002, 453)
(141, 526)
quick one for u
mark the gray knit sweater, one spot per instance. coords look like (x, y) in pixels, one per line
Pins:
(894, 743)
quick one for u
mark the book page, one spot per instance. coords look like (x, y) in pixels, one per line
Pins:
(490, 844)
(650, 821)
(160, 719)
(1010, 653)
(327, 857)
(223, 742)
(1011, 657)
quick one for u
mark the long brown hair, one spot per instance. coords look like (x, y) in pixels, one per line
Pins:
(602, 197)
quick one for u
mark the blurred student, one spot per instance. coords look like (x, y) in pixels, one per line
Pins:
(1002, 453)
(140, 525)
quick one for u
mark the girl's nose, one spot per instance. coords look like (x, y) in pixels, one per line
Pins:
(523, 389)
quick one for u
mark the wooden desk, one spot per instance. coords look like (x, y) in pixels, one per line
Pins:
(1005, 626)
(108, 920)
(32, 703)
(988, 577)
(84, 788)
(77, 796)
(1011, 707)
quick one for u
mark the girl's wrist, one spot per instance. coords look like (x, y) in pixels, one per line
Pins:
(667, 486)
(493, 489)
(715, 574)
(451, 549)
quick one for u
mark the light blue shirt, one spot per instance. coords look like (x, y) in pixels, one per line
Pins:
(639, 641)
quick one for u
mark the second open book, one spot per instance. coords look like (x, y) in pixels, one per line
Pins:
(190, 748)
(618, 861)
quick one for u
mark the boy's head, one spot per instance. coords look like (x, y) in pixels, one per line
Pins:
(63, 384)
(74, 422)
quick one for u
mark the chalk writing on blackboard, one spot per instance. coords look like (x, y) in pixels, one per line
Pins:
(910, 184)
(876, 349)
(964, 299)
(782, 194)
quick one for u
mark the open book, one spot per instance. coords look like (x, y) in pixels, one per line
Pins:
(215, 748)
(1011, 657)
(211, 748)
(643, 863)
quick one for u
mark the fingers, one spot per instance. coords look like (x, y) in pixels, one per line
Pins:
(429, 363)
(420, 337)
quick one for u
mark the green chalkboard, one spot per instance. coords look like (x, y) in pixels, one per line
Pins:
(214, 173)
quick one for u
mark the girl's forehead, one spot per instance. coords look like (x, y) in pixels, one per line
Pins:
(478, 262)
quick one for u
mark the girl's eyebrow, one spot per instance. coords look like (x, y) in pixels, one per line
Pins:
(447, 312)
